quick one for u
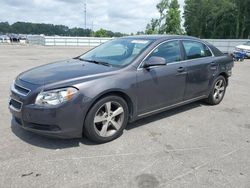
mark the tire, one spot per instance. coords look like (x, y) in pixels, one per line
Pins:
(218, 91)
(107, 119)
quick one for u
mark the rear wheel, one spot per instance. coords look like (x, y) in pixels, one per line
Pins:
(107, 119)
(218, 91)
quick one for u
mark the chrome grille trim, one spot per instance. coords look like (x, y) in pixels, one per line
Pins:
(13, 108)
(13, 89)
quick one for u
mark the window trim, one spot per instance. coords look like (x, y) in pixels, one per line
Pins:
(140, 66)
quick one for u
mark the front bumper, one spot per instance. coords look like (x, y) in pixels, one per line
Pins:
(62, 121)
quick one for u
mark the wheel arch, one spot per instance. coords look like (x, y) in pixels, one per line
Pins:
(224, 74)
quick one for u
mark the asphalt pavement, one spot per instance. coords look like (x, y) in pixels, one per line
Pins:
(192, 146)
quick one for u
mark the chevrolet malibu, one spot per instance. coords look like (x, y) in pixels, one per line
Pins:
(123, 80)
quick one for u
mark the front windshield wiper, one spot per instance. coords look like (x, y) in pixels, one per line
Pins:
(96, 62)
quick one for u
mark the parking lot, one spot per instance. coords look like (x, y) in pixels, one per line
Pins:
(192, 146)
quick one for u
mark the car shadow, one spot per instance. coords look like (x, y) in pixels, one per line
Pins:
(47, 142)
(164, 115)
(53, 143)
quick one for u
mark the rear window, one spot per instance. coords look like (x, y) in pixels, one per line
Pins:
(195, 50)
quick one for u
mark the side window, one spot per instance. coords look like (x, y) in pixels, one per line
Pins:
(196, 50)
(169, 51)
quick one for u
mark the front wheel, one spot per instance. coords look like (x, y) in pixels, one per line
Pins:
(107, 119)
(218, 91)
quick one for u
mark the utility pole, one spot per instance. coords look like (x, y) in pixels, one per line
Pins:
(85, 14)
(92, 29)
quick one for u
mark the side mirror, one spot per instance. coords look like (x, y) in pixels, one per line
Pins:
(154, 61)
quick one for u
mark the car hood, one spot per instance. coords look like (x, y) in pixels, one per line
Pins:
(62, 71)
(244, 47)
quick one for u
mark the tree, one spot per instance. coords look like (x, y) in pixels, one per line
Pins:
(4, 27)
(193, 18)
(50, 29)
(152, 27)
(162, 8)
(173, 19)
(140, 33)
(217, 19)
(242, 18)
(169, 21)
(101, 33)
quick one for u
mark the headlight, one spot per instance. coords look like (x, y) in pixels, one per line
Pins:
(55, 97)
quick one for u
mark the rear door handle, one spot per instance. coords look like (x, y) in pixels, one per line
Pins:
(181, 69)
(213, 66)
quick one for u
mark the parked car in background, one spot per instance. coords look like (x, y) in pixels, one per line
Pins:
(244, 47)
(239, 55)
(22, 39)
(123, 80)
(14, 38)
(4, 39)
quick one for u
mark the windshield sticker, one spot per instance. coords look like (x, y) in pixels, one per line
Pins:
(139, 41)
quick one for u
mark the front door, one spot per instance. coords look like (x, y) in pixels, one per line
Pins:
(162, 86)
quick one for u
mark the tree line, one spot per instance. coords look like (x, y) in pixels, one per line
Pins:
(50, 30)
(203, 18)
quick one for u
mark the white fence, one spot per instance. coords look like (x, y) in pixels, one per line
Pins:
(66, 41)
(225, 45)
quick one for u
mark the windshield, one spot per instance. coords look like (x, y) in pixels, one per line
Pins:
(247, 43)
(118, 52)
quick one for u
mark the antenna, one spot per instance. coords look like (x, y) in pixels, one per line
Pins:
(85, 14)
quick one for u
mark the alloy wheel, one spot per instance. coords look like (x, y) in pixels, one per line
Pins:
(109, 119)
(219, 90)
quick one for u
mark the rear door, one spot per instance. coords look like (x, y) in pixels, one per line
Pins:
(200, 67)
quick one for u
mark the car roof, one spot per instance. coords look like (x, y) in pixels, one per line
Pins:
(160, 37)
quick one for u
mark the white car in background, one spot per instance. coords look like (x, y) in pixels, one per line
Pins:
(244, 47)
(4, 39)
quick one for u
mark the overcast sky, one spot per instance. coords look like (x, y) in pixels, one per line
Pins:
(124, 16)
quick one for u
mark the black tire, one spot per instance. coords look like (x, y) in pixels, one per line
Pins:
(212, 100)
(90, 127)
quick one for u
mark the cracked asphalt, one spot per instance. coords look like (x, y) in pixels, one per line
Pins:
(192, 146)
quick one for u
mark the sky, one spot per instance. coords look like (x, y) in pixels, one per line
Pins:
(125, 16)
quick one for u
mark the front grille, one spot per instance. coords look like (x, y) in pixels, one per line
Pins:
(15, 105)
(21, 90)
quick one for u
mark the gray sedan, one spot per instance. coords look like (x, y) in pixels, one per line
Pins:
(123, 80)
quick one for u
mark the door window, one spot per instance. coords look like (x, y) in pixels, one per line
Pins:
(196, 50)
(170, 51)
